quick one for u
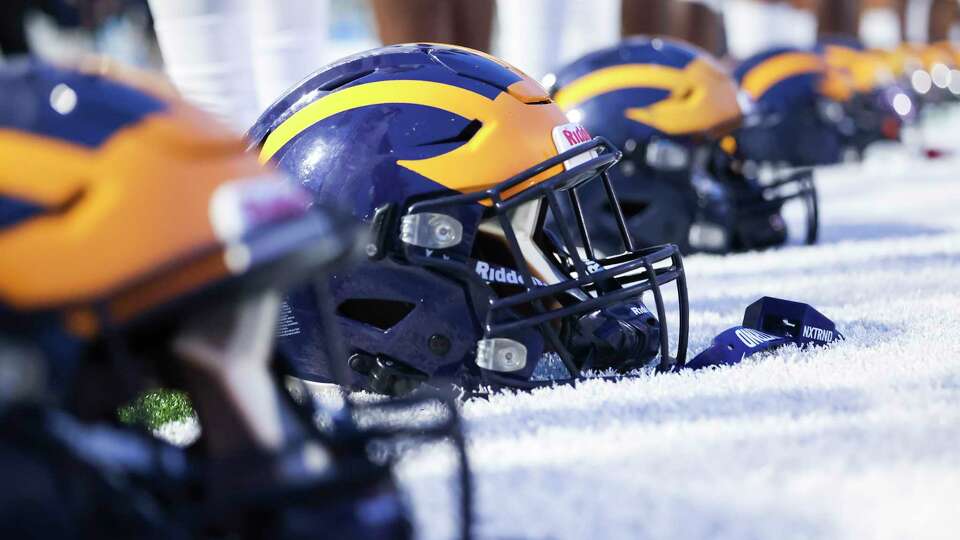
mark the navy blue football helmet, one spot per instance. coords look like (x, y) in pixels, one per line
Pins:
(454, 160)
(799, 115)
(879, 106)
(670, 108)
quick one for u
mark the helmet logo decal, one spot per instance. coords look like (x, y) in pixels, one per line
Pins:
(569, 135)
(763, 77)
(446, 97)
(702, 97)
(499, 274)
(488, 158)
(611, 79)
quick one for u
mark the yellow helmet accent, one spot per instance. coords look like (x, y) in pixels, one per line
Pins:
(702, 99)
(486, 160)
(867, 71)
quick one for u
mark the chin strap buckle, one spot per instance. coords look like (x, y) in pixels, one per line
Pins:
(387, 375)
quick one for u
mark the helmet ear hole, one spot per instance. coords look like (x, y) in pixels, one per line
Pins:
(380, 313)
(492, 248)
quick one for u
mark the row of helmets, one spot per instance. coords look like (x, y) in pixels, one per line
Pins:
(514, 230)
(516, 236)
(508, 246)
(543, 258)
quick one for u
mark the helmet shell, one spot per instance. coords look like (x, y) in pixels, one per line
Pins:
(389, 133)
(393, 126)
(798, 118)
(645, 91)
(119, 208)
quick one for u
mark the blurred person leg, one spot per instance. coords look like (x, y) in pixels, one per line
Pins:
(288, 44)
(916, 26)
(531, 34)
(838, 19)
(943, 17)
(691, 21)
(756, 25)
(698, 23)
(235, 57)
(458, 22)
(206, 47)
(407, 21)
(645, 17)
(473, 23)
(882, 23)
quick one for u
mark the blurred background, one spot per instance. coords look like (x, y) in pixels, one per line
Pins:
(538, 35)
(234, 57)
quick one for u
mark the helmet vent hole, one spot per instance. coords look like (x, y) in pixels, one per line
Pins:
(464, 136)
(379, 313)
(70, 202)
(345, 80)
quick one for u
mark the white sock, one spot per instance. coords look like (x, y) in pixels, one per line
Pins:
(880, 28)
(206, 46)
(753, 27)
(289, 38)
(797, 26)
(530, 34)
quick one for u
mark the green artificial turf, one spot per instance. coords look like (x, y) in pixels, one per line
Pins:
(157, 407)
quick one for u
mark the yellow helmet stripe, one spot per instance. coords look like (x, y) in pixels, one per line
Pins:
(767, 74)
(514, 137)
(63, 177)
(611, 79)
(706, 102)
(442, 96)
(702, 97)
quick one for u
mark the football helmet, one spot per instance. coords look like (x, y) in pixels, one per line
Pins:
(454, 160)
(901, 60)
(925, 71)
(907, 69)
(952, 51)
(799, 116)
(940, 64)
(122, 215)
(879, 106)
(671, 108)
(145, 210)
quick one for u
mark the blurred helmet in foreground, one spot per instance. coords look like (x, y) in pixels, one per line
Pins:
(129, 220)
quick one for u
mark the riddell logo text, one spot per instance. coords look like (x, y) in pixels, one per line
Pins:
(818, 334)
(576, 136)
(499, 274)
